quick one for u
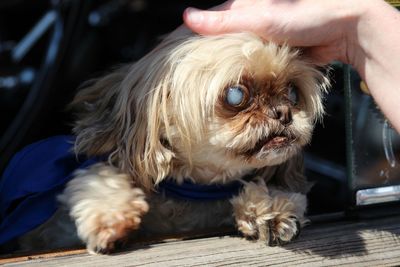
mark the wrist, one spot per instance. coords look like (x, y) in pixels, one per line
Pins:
(376, 50)
(354, 18)
(370, 35)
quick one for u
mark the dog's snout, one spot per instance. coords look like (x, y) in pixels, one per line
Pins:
(283, 114)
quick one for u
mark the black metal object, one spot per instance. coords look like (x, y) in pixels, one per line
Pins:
(39, 50)
(373, 149)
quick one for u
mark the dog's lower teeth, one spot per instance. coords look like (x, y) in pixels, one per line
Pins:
(277, 141)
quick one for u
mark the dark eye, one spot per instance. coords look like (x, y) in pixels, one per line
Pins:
(293, 94)
(236, 96)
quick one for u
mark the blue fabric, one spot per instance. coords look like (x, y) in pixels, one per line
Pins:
(38, 173)
(195, 192)
(31, 182)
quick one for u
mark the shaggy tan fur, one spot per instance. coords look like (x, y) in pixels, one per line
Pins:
(157, 117)
(269, 214)
(167, 115)
(104, 206)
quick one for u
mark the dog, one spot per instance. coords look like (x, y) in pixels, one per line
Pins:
(198, 110)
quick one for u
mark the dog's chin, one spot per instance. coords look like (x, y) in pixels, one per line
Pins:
(273, 142)
(272, 150)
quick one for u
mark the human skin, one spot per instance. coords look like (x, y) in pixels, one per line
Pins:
(363, 33)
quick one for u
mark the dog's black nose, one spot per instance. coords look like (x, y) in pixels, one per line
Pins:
(283, 114)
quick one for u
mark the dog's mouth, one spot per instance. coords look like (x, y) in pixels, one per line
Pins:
(272, 142)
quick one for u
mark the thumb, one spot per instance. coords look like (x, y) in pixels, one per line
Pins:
(210, 22)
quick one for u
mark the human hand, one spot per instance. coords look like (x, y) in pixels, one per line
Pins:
(363, 33)
(323, 27)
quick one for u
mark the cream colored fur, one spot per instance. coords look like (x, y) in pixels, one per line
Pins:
(104, 205)
(165, 116)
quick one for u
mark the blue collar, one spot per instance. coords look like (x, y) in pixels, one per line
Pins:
(198, 192)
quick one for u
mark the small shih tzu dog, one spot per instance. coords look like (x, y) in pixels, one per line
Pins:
(203, 132)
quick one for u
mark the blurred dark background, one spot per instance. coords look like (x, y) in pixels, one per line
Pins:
(48, 48)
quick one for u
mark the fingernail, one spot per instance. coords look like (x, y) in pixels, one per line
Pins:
(194, 15)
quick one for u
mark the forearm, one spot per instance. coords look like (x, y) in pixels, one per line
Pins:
(375, 53)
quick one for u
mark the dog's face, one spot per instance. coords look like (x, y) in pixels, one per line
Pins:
(253, 103)
(206, 104)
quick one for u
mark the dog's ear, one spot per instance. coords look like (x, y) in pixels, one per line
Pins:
(94, 107)
(123, 116)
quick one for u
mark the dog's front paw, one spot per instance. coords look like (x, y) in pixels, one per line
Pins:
(280, 230)
(109, 227)
(274, 231)
(104, 206)
(272, 216)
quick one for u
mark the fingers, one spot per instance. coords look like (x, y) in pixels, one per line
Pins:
(206, 22)
(218, 22)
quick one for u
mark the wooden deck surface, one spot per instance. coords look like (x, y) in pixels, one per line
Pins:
(368, 242)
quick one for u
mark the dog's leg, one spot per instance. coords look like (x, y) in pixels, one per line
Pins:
(104, 205)
(269, 215)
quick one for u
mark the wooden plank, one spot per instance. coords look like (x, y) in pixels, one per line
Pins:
(32, 255)
(372, 242)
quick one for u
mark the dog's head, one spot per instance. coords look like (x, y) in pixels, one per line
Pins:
(209, 107)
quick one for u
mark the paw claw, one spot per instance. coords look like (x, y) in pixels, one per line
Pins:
(108, 248)
(298, 226)
(104, 251)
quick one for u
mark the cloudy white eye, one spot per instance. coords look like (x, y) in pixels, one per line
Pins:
(293, 94)
(236, 96)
